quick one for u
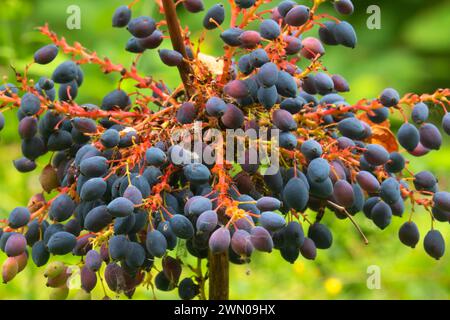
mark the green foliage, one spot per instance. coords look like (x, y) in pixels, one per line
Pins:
(407, 40)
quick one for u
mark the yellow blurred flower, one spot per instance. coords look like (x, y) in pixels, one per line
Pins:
(299, 267)
(333, 286)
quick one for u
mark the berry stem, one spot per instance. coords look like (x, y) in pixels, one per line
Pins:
(218, 276)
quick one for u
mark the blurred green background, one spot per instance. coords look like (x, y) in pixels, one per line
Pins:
(410, 52)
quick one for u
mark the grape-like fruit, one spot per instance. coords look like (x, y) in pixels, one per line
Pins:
(181, 226)
(259, 57)
(293, 105)
(85, 125)
(120, 207)
(284, 120)
(141, 27)
(207, 222)
(236, 89)
(241, 244)
(133, 193)
(285, 6)
(445, 123)
(220, 240)
(215, 107)
(297, 16)
(116, 99)
(156, 243)
(46, 54)
(155, 157)
(441, 200)
(61, 243)
(65, 72)
(233, 117)
(268, 74)
(19, 217)
(272, 221)
(440, 215)
(33, 148)
(268, 204)
(97, 219)
(170, 58)
(269, 29)
(10, 269)
(430, 137)
(288, 140)
(286, 85)
(351, 128)
(381, 214)
(420, 113)
(133, 45)
(245, 4)
(425, 181)
(376, 154)
(15, 245)
(343, 193)
(321, 235)
(193, 6)
(124, 225)
(390, 190)
(389, 97)
(318, 170)
(2, 121)
(135, 256)
(326, 33)
(344, 6)
(267, 96)
(187, 289)
(311, 149)
(110, 138)
(93, 189)
(434, 244)
(153, 41)
(214, 17)
(409, 234)
(312, 48)
(261, 239)
(197, 173)
(379, 115)
(308, 249)
(93, 167)
(250, 39)
(39, 253)
(396, 163)
(323, 83)
(368, 181)
(296, 194)
(199, 205)
(93, 260)
(121, 17)
(408, 136)
(28, 127)
(293, 44)
(118, 247)
(88, 279)
(61, 208)
(30, 104)
(231, 36)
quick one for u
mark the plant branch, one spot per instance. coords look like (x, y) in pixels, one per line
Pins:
(176, 37)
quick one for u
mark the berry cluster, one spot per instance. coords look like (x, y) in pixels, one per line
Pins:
(123, 200)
